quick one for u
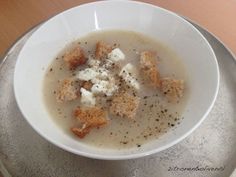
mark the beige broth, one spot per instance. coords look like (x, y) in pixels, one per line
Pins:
(155, 115)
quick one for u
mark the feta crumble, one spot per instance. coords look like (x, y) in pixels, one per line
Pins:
(128, 73)
(104, 87)
(93, 62)
(86, 74)
(116, 55)
(87, 97)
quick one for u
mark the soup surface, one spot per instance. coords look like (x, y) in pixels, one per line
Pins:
(152, 112)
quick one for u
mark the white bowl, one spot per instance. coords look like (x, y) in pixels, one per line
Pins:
(182, 37)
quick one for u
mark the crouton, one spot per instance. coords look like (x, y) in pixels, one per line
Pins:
(87, 85)
(148, 65)
(124, 105)
(147, 60)
(67, 91)
(172, 88)
(89, 117)
(102, 50)
(81, 132)
(75, 58)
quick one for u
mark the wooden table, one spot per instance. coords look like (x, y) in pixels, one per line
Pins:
(18, 16)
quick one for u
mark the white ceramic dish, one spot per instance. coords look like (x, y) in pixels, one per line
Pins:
(167, 27)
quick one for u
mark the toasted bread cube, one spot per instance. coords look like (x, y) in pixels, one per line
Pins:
(147, 59)
(75, 58)
(81, 132)
(87, 85)
(67, 91)
(102, 50)
(172, 88)
(152, 76)
(124, 105)
(91, 116)
(148, 65)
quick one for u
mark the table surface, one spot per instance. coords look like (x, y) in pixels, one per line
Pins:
(16, 17)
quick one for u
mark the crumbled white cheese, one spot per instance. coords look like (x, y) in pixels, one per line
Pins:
(100, 76)
(102, 73)
(87, 97)
(99, 87)
(95, 80)
(104, 87)
(93, 62)
(93, 73)
(108, 64)
(86, 74)
(128, 73)
(116, 55)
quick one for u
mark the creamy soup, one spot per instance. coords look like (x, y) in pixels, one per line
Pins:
(155, 114)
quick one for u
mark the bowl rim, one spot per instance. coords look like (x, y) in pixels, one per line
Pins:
(138, 154)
